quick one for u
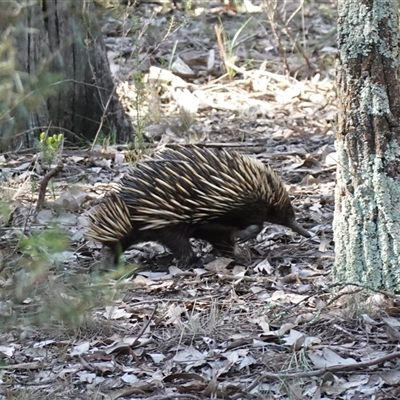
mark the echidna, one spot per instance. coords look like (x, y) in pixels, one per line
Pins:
(192, 193)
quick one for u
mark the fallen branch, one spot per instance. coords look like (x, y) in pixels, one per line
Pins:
(144, 328)
(43, 185)
(184, 396)
(318, 372)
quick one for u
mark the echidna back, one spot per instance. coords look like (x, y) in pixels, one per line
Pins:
(193, 185)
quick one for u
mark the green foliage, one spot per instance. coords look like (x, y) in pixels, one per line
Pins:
(171, 59)
(49, 294)
(42, 248)
(106, 140)
(229, 45)
(5, 211)
(141, 111)
(189, 6)
(49, 146)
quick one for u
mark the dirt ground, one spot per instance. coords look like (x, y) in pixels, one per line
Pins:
(259, 80)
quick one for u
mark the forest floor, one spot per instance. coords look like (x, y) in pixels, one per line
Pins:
(275, 327)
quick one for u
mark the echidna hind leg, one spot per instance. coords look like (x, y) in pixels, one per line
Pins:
(221, 237)
(178, 243)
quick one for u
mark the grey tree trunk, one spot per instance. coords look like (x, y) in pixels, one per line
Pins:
(367, 215)
(62, 40)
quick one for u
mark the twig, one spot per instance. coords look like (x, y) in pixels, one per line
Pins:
(271, 11)
(342, 285)
(221, 44)
(44, 183)
(299, 48)
(103, 117)
(22, 366)
(175, 396)
(86, 365)
(319, 372)
(140, 334)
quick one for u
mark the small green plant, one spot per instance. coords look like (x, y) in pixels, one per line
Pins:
(49, 146)
(140, 110)
(106, 140)
(187, 119)
(189, 6)
(132, 156)
(141, 91)
(227, 46)
(171, 59)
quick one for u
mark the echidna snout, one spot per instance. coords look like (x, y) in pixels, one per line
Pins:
(296, 227)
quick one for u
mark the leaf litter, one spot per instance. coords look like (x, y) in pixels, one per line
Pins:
(269, 326)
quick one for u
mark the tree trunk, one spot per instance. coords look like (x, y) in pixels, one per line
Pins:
(62, 40)
(367, 215)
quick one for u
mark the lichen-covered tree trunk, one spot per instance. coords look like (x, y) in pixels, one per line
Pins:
(62, 40)
(367, 215)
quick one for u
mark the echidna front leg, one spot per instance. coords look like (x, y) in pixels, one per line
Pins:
(249, 232)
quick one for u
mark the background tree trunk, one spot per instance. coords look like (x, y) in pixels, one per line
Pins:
(367, 215)
(64, 40)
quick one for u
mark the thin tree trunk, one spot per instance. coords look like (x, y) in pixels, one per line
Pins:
(62, 40)
(367, 215)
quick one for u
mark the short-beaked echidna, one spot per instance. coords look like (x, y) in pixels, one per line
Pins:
(188, 193)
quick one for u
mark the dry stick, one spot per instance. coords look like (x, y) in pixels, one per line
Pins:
(103, 117)
(221, 44)
(174, 396)
(86, 365)
(44, 183)
(319, 372)
(23, 366)
(293, 39)
(137, 340)
(366, 287)
(360, 288)
(271, 16)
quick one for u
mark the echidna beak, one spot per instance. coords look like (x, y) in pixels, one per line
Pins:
(295, 226)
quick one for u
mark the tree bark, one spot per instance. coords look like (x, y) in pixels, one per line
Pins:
(367, 214)
(62, 39)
